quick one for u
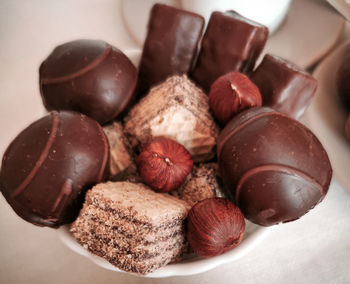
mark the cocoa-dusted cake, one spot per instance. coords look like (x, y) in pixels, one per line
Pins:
(121, 162)
(202, 183)
(131, 226)
(178, 110)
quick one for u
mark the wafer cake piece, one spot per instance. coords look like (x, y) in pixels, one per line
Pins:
(122, 158)
(202, 183)
(131, 226)
(178, 110)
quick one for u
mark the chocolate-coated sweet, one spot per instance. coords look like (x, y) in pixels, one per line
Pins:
(230, 43)
(272, 166)
(342, 78)
(170, 46)
(284, 86)
(49, 165)
(88, 76)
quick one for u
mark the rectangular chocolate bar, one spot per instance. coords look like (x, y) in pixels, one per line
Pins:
(230, 43)
(170, 46)
(284, 86)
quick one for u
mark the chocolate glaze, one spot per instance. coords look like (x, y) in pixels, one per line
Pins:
(49, 165)
(284, 86)
(89, 76)
(273, 167)
(230, 43)
(170, 46)
(342, 78)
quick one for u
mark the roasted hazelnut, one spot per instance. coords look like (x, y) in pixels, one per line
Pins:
(164, 164)
(232, 93)
(215, 225)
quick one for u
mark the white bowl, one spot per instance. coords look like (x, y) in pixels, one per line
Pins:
(254, 234)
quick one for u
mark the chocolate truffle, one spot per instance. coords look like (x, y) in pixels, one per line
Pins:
(342, 78)
(284, 86)
(230, 43)
(88, 76)
(170, 46)
(47, 167)
(176, 109)
(272, 166)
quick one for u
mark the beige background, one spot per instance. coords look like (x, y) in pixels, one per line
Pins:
(314, 249)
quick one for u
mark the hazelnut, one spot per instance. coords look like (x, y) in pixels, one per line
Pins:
(232, 93)
(215, 225)
(164, 164)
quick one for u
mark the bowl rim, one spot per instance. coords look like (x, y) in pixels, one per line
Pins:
(184, 268)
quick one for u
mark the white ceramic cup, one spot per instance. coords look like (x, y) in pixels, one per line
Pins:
(267, 12)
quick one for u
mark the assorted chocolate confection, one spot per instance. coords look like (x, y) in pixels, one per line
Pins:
(133, 227)
(272, 166)
(48, 167)
(88, 76)
(170, 46)
(284, 86)
(230, 43)
(122, 157)
(176, 109)
(202, 183)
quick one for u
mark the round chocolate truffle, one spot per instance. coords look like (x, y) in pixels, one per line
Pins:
(49, 165)
(342, 78)
(272, 166)
(89, 76)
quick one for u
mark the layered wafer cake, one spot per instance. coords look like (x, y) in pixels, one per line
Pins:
(202, 183)
(178, 110)
(131, 226)
(122, 158)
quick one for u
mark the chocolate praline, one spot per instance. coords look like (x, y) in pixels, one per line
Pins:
(231, 42)
(272, 166)
(170, 47)
(49, 165)
(88, 76)
(284, 86)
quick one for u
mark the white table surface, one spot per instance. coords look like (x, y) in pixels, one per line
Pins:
(314, 249)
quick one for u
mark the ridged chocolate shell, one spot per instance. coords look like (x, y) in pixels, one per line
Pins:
(49, 165)
(88, 76)
(272, 166)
